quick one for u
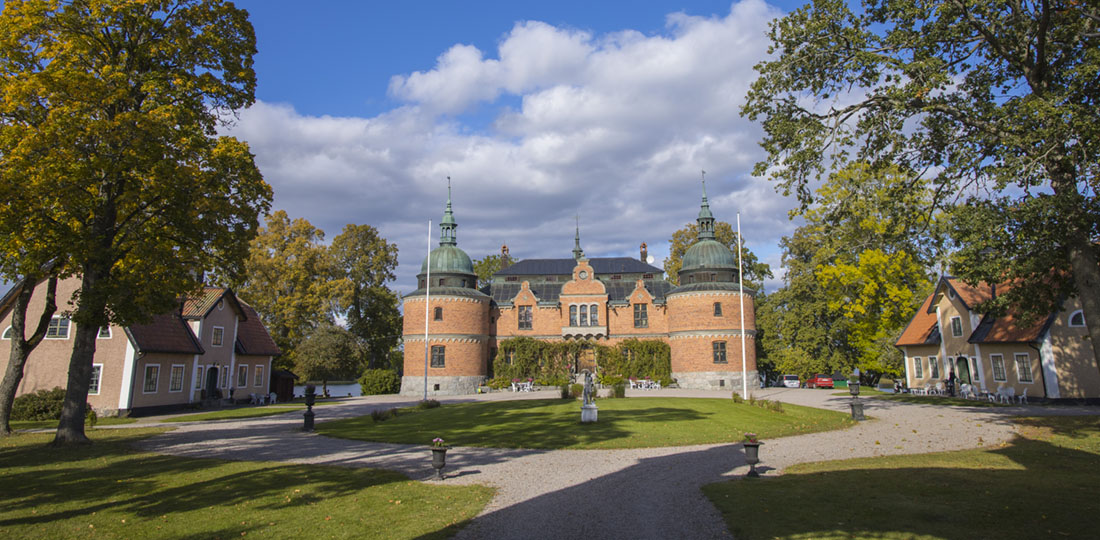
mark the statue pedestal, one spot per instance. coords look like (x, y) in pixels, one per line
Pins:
(588, 413)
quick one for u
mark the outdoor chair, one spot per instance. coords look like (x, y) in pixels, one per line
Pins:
(939, 388)
(1023, 397)
(272, 398)
(994, 396)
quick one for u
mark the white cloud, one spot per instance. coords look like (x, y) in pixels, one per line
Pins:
(612, 127)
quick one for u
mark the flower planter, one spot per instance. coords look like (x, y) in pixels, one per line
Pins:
(439, 460)
(752, 457)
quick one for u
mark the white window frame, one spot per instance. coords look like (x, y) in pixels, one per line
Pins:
(183, 378)
(934, 367)
(145, 379)
(96, 380)
(975, 373)
(1069, 321)
(995, 359)
(918, 368)
(99, 335)
(258, 375)
(223, 374)
(242, 375)
(199, 377)
(956, 326)
(1027, 363)
(217, 336)
(68, 327)
(7, 333)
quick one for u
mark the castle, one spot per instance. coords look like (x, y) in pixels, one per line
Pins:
(603, 299)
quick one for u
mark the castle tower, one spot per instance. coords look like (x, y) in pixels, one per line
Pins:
(458, 320)
(704, 315)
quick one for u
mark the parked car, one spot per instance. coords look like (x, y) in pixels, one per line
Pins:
(789, 381)
(820, 381)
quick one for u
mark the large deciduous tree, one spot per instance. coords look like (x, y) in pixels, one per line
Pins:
(367, 261)
(985, 98)
(21, 345)
(108, 144)
(291, 281)
(755, 271)
(329, 353)
(486, 266)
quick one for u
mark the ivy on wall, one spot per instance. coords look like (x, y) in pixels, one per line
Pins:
(550, 363)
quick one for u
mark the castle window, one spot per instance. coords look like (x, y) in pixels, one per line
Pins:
(572, 315)
(647, 276)
(438, 314)
(717, 309)
(421, 284)
(641, 317)
(584, 315)
(956, 327)
(511, 278)
(594, 315)
(441, 282)
(525, 317)
(719, 352)
(1077, 319)
(439, 356)
(617, 276)
(713, 276)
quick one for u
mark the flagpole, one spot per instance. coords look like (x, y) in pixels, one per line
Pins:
(741, 288)
(427, 302)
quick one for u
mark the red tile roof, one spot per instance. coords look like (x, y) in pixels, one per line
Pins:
(252, 336)
(923, 328)
(199, 306)
(166, 333)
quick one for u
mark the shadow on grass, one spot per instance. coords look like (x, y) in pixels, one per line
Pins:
(1040, 485)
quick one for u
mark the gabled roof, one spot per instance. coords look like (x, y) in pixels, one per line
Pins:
(198, 307)
(618, 291)
(557, 267)
(1008, 329)
(252, 337)
(923, 329)
(166, 333)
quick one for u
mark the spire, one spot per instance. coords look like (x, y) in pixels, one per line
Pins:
(706, 219)
(447, 225)
(578, 253)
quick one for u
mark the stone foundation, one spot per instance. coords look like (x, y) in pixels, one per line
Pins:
(441, 386)
(714, 380)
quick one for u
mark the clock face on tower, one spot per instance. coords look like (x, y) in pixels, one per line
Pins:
(583, 274)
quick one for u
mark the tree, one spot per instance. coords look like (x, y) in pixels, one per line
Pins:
(856, 271)
(755, 271)
(367, 262)
(21, 346)
(329, 353)
(991, 99)
(291, 281)
(485, 267)
(111, 160)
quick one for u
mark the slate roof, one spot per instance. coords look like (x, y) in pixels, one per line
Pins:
(252, 336)
(557, 267)
(550, 293)
(451, 291)
(166, 333)
(712, 286)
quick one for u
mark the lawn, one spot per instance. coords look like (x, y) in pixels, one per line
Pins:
(111, 490)
(1041, 485)
(52, 424)
(246, 412)
(623, 423)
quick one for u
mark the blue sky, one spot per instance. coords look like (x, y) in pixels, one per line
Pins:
(540, 112)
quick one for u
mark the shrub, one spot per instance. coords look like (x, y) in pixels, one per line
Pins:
(576, 391)
(619, 390)
(565, 391)
(499, 383)
(379, 415)
(666, 381)
(609, 380)
(91, 418)
(41, 405)
(551, 380)
(379, 381)
(775, 406)
(737, 398)
(428, 404)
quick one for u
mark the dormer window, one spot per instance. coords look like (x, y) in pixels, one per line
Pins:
(1077, 319)
(956, 327)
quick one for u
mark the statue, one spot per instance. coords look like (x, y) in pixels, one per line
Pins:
(587, 388)
(588, 408)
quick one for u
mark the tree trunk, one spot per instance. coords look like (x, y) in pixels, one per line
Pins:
(20, 346)
(70, 429)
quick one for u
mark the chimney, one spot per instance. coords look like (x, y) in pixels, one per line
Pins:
(645, 252)
(505, 259)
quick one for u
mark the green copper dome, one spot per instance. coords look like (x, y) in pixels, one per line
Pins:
(708, 254)
(448, 259)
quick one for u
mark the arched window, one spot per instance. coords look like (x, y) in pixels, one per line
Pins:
(584, 315)
(594, 315)
(572, 315)
(1077, 319)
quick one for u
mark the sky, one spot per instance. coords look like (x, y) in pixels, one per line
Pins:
(543, 114)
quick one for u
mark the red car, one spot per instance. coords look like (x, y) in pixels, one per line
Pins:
(820, 381)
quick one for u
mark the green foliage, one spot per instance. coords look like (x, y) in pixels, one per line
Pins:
(330, 353)
(994, 103)
(381, 415)
(755, 271)
(737, 398)
(635, 358)
(367, 261)
(427, 404)
(379, 381)
(41, 405)
(576, 391)
(90, 417)
(485, 267)
(618, 390)
(565, 393)
(499, 383)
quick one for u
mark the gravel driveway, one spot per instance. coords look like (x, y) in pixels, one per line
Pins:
(636, 493)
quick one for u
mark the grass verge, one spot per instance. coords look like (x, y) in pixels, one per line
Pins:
(623, 423)
(111, 490)
(1041, 485)
(47, 424)
(245, 412)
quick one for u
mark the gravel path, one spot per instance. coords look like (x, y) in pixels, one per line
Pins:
(636, 493)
